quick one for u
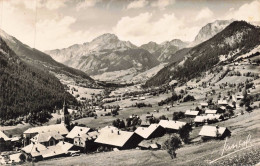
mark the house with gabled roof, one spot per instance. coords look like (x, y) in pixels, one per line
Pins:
(118, 139)
(108, 128)
(153, 131)
(172, 125)
(33, 150)
(209, 132)
(191, 113)
(204, 105)
(4, 136)
(39, 152)
(200, 120)
(85, 141)
(31, 132)
(59, 150)
(222, 102)
(76, 131)
(5, 141)
(211, 111)
(48, 138)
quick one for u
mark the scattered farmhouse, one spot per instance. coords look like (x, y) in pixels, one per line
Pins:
(222, 102)
(173, 83)
(200, 120)
(192, 114)
(204, 105)
(211, 111)
(208, 132)
(171, 125)
(153, 131)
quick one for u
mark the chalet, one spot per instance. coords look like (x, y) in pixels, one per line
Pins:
(211, 112)
(153, 131)
(204, 105)
(191, 114)
(222, 102)
(173, 83)
(200, 120)
(48, 138)
(5, 142)
(108, 128)
(40, 152)
(211, 118)
(171, 125)
(142, 98)
(223, 108)
(4, 136)
(118, 139)
(31, 132)
(32, 151)
(76, 131)
(208, 132)
(59, 150)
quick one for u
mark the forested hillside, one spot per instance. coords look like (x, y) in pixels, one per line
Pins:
(236, 39)
(43, 61)
(25, 91)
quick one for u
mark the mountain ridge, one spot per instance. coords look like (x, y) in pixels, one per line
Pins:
(239, 35)
(105, 53)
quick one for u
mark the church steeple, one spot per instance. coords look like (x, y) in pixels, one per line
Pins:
(65, 114)
(65, 108)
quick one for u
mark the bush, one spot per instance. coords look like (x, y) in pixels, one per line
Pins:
(188, 98)
(178, 115)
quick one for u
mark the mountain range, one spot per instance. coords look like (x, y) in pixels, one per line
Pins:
(236, 39)
(107, 54)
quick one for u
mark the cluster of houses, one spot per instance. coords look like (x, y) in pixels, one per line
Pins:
(45, 142)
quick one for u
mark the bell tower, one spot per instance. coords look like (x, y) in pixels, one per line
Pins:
(65, 115)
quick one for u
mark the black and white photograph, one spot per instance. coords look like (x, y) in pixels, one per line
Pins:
(130, 82)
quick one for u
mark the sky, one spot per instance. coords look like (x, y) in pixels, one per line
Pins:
(55, 24)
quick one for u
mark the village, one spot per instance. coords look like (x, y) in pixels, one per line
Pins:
(115, 126)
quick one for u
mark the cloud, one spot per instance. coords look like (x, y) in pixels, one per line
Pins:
(86, 4)
(248, 12)
(142, 29)
(16, 23)
(52, 5)
(205, 13)
(51, 32)
(60, 31)
(162, 4)
(137, 4)
(31, 4)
